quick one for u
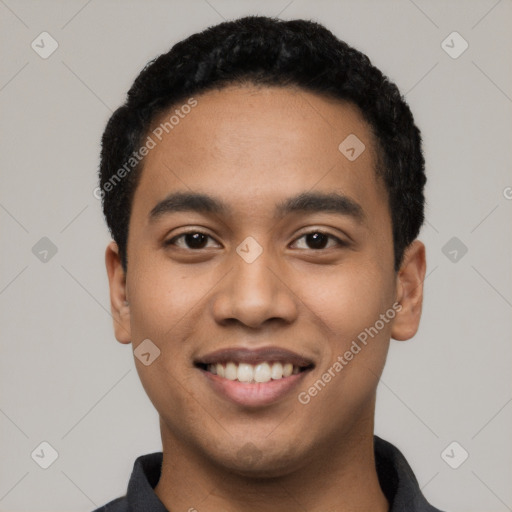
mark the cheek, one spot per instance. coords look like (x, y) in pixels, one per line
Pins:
(161, 299)
(162, 304)
(350, 305)
(349, 300)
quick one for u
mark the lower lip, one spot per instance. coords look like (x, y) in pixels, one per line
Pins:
(254, 394)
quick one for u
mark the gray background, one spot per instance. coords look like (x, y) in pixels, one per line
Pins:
(65, 380)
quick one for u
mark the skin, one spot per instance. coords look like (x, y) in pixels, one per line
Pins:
(252, 147)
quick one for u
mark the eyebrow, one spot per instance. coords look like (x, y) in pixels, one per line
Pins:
(305, 202)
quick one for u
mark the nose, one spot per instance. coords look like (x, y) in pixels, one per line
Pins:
(254, 293)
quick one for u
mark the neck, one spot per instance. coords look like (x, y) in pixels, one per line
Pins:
(340, 477)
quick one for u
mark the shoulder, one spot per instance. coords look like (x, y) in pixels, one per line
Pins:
(140, 491)
(398, 481)
(117, 505)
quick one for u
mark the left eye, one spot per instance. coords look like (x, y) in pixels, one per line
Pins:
(319, 239)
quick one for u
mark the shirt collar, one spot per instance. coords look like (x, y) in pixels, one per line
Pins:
(396, 478)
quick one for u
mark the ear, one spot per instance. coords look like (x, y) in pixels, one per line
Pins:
(409, 287)
(118, 294)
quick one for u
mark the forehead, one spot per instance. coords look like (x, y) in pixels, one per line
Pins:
(258, 145)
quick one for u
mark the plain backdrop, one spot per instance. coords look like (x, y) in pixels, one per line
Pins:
(66, 381)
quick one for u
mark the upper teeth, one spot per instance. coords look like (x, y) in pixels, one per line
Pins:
(262, 372)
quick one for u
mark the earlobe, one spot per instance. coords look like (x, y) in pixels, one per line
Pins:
(119, 305)
(409, 288)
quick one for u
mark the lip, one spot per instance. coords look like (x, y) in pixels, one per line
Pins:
(254, 356)
(257, 394)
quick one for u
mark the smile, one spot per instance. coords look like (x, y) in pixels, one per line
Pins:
(253, 378)
(262, 372)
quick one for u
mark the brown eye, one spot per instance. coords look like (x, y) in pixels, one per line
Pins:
(318, 240)
(191, 240)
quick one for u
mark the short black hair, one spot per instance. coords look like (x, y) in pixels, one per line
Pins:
(266, 51)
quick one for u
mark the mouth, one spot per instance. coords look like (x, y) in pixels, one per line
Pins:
(253, 377)
(250, 373)
(259, 365)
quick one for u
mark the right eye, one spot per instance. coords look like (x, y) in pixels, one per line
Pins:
(194, 240)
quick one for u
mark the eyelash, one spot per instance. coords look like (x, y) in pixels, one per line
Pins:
(339, 243)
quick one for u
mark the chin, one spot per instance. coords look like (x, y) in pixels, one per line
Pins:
(261, 463)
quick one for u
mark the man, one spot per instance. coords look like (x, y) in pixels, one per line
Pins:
(263, 184)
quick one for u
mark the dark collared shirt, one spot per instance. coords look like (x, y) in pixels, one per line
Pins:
(396, 478)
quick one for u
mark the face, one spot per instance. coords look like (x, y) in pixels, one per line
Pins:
(257, 249)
